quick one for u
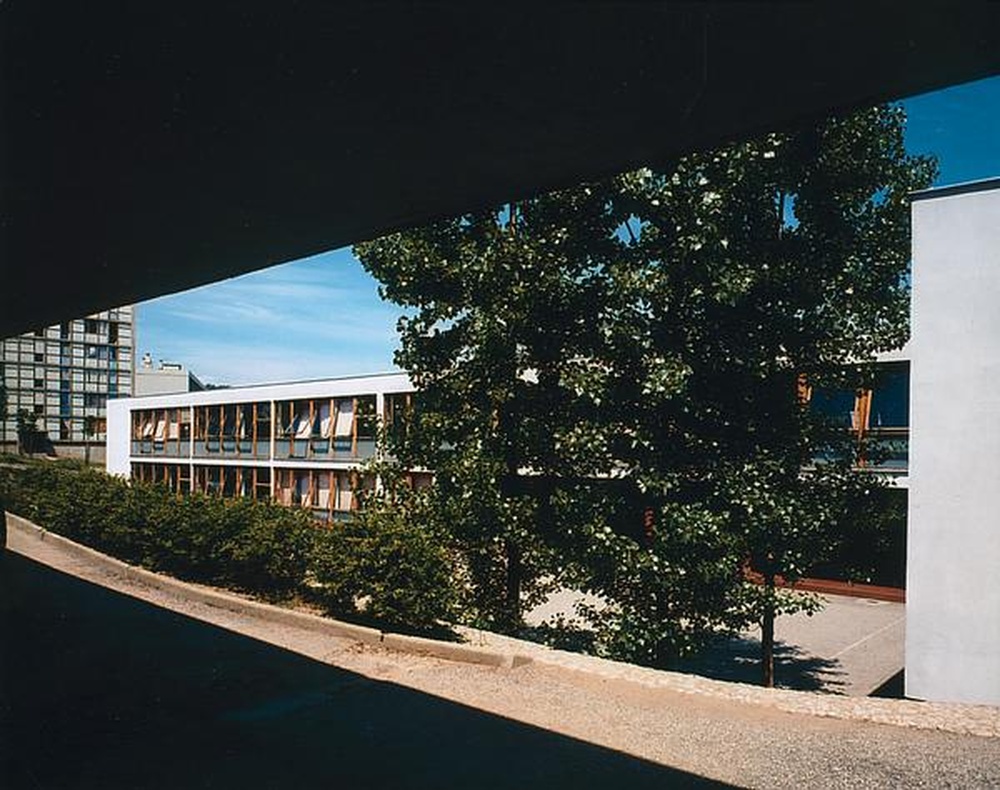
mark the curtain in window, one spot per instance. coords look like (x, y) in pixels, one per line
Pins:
(323, 485)
(325, 423)
(345, 497)
(345, 417)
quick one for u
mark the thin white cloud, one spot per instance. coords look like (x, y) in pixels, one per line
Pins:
(310, 319)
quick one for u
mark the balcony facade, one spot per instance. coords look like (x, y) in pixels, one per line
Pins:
(297, 444)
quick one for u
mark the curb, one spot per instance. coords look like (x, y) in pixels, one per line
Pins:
(448, 651)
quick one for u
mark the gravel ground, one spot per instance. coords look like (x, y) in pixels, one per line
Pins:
(733, 739)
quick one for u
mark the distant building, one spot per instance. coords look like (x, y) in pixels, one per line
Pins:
(164, 379)
(301, 443)
(65, 375)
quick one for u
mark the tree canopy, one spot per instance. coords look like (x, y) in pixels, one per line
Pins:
(612, 377)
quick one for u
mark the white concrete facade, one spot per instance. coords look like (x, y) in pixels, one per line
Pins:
(953, 547)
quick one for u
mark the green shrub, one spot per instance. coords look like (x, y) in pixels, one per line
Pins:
(272, 549)
(387, 566)
(253, 546)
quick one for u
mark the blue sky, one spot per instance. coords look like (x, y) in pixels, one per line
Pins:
(321, 316)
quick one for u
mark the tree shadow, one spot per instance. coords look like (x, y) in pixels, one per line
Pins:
(737, 659)
(731, 658)
(101, 690)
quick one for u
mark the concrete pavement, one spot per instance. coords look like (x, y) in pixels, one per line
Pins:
(852, 646)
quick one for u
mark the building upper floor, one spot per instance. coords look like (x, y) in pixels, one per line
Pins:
(330, 420)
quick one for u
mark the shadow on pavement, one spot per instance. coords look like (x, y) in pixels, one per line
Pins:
(101, 690)
(735, 659)
(738, 659)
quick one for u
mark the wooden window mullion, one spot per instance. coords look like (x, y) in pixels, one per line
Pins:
(354, 426)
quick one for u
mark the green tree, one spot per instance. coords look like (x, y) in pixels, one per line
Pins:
(632, 350)
(27, 430)
(755, 264)
(89, 431)
(500, 302)
(4, 404)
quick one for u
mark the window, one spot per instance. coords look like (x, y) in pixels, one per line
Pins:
(39, 357)
(39, 384)
(837, 405)
(95, 400)
(891, 397)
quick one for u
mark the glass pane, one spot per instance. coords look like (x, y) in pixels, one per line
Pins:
(891, 398)
(837, 405)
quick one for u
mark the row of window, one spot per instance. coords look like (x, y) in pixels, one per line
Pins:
(316, 428)
(98, 322)
(49, 349)
(328, 495)
(104, 390)
(64, 428)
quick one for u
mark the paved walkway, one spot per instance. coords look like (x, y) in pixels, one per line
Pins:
(852, 646)
(102, 689)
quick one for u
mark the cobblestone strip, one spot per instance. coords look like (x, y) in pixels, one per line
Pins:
(484, 647)
(982, 720)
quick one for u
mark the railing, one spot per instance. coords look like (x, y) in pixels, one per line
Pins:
(340, 449)
(888, 451)
(231, 447)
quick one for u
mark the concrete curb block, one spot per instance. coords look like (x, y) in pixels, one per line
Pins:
(453, 651)
(234, 603)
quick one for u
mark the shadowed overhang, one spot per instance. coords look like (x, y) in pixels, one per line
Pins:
(147, 148)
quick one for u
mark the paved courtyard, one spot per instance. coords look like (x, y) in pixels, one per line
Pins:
(852, 646)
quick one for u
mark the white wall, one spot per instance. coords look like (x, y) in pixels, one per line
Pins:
(160, 382)
(119, 437)
(953, 555)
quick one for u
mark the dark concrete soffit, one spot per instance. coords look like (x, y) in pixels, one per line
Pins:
(160, 146)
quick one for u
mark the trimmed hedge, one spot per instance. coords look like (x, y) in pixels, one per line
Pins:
(378, 568)
(252, 546)
(387, 565)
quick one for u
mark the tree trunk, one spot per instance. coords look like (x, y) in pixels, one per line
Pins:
(513, 592)
(767, 633)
